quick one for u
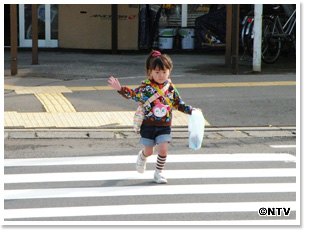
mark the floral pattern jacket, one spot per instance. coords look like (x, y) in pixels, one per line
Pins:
(153, 116)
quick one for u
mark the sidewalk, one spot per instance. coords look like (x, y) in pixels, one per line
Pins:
(67, 66)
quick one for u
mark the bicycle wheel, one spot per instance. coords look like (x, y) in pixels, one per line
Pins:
(245, 32)
(249, 37)
(271, 45)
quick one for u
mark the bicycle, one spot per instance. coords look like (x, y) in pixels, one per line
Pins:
(274, 33)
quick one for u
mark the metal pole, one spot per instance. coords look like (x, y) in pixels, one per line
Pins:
(228, 35)
(114, 28)
(34, 33)
(235, 39)
(13, 19)
(257, 47)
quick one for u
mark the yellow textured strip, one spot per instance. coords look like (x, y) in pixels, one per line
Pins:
(285, 83)
(198, 85)
(80, 119)
(235, 84)
(9, 87)
(55, 103)
(42, 89)
(86, 88)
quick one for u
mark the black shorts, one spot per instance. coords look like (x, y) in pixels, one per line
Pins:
(152, 135)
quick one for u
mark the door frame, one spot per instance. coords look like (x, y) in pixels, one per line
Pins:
(47, 42)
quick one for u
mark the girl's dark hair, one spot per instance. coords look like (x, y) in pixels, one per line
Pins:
(158, 60)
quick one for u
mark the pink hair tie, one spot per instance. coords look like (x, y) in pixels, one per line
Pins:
(156, 53)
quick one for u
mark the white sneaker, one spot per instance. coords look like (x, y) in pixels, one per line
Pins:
(141, 163)
(159, 179)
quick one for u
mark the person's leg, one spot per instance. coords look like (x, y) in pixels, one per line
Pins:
(148, 143)
(163, 148)
(142, 157)
(148, 151)
(162, 155)
(161, 160)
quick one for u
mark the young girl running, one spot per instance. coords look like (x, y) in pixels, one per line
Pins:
(156, 126)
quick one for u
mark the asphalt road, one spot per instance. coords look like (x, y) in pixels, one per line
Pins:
(227, 181)
(234, 105)
(222, 106)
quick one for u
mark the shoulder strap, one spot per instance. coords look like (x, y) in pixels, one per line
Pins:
(160, 92)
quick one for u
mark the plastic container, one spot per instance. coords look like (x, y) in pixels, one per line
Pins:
(187, 38)
(166, 38)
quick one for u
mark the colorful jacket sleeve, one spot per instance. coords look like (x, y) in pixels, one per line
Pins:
(179, 104)
(134, 94)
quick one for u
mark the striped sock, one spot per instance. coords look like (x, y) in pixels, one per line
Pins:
(161, 160)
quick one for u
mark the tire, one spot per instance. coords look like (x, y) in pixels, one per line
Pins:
(244, 33)
(271, 46)
(249, 37)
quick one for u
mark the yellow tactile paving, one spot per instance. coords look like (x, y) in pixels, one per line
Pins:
(85, 88)
(198, 85)
(42, 89)
(55, 103)
(96, 88)
(9, 87)
(284, 83)
(80, 119)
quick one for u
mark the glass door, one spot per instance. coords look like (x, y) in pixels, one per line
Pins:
(47, 25)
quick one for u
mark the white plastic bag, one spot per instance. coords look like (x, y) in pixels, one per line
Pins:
(196, 128)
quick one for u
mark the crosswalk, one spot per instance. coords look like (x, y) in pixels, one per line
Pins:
(202, 189)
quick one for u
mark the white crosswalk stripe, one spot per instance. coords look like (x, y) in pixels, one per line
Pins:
(283, 146)
(224, 194)
(132, 159)
(130, 175)
(142, 190)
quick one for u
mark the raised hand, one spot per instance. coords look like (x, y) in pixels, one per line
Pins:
(114, 83)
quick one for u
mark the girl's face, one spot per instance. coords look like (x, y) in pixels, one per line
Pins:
(160, 76)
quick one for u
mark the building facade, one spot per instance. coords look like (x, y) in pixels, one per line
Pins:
(88, 26)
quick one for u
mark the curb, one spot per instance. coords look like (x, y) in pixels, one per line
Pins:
(177, 133)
